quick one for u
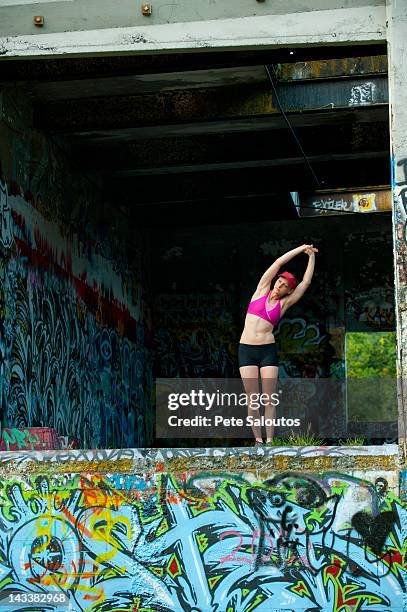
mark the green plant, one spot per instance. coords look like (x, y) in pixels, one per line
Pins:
(277, 442)
(304, 439)
(352, 442)
(371, 387)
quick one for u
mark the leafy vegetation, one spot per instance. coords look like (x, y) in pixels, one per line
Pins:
(370, 354)
(371, 376)
(352, 442)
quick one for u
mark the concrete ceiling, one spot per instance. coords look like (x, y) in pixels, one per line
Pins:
(175, 137)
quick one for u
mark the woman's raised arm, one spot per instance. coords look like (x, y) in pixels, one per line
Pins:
(301, 288)
(272, 271)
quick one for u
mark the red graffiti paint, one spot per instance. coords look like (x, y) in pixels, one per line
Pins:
(108, 311)
(30, 438)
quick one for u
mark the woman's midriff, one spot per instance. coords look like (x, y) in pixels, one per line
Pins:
(256, 331)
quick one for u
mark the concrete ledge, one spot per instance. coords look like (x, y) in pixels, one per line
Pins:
(358, 459)
(282, 528)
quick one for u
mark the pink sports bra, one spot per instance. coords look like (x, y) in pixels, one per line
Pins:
(258, 307)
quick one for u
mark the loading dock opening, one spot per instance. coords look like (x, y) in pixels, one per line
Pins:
(139, 208)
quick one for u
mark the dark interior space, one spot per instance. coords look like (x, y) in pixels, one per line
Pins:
(220, 168)
(183, 139)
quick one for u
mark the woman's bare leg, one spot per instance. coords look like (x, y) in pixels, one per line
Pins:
(269, 376)
(250, 378)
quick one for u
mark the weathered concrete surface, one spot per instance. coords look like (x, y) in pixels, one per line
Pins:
(361, 461)
(364, 24)
(397, 20)
(16, 16)
(206, 530)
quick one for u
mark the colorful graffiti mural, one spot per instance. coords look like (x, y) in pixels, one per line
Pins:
(75, 323)
(34, 438)
(305, 349)
(204, 541)
(194, 335)
(69, 372)
(74, 340)
(199, 317)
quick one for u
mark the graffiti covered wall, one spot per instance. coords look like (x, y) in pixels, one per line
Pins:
(75, 326)
(202, 293)
(205, 279)
(222, 530)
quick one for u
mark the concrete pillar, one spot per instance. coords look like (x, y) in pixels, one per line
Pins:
(397, 49)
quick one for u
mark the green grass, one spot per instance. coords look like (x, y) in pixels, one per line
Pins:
(305, 439)
(352, 442)
(309, 439)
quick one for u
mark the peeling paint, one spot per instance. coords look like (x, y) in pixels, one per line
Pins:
(361, 24)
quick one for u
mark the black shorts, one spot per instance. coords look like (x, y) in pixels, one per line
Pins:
(258, 354)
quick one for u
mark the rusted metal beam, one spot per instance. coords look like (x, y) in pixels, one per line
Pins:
(206, 104)
(214, 77)
(292, 162)
(332, 93)
(239, 147)
(333, 68)
(282, 178)
(59, 69)
(378, 113)
(153, 109)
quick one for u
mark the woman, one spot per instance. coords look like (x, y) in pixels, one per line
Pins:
(257, 348)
